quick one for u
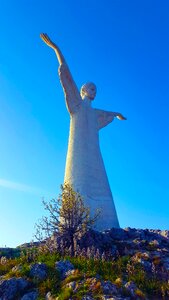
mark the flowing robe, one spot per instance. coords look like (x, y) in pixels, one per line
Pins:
(85, 169)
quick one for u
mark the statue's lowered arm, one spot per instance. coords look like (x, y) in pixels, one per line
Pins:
(72, 95)
(106, 117)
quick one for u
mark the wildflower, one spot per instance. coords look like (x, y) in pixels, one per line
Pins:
(3, 260)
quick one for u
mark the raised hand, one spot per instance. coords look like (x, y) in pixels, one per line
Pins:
(47, 40)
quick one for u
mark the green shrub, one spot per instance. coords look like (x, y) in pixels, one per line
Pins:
(5, 268)
(65, 294)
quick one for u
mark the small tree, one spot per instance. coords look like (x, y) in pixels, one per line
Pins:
(68, 218)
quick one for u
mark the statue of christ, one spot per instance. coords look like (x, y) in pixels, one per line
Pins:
(85, 169)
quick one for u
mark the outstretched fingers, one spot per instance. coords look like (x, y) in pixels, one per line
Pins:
(121, 117)
(45, 37)
(47, 40)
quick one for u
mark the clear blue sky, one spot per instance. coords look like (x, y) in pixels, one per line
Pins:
(122, 46)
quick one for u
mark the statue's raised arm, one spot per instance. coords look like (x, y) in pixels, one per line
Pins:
(72, 95)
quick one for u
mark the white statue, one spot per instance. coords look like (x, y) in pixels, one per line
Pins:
(84, 164)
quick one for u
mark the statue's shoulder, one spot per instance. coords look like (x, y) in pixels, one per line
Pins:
(104, 118)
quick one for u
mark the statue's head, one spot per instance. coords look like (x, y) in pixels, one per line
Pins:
(88, 90)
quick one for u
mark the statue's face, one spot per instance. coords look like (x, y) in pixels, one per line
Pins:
(88, 90)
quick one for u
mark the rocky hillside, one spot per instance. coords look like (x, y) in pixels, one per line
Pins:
(115, 264)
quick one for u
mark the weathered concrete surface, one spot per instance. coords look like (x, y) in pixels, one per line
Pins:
(84, 165)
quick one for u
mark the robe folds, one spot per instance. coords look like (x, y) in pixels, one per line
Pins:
(85, 169)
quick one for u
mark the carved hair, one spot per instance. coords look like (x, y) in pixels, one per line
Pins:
(85, 88)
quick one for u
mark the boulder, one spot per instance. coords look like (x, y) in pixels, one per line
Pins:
(118, 234)
(63, 267)
(131, 287)
(11, 288)
(165, 233)
(109, 288)
(95, 239)
(166, 263)
(30, 296)
(146, 264)
(39, 271)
